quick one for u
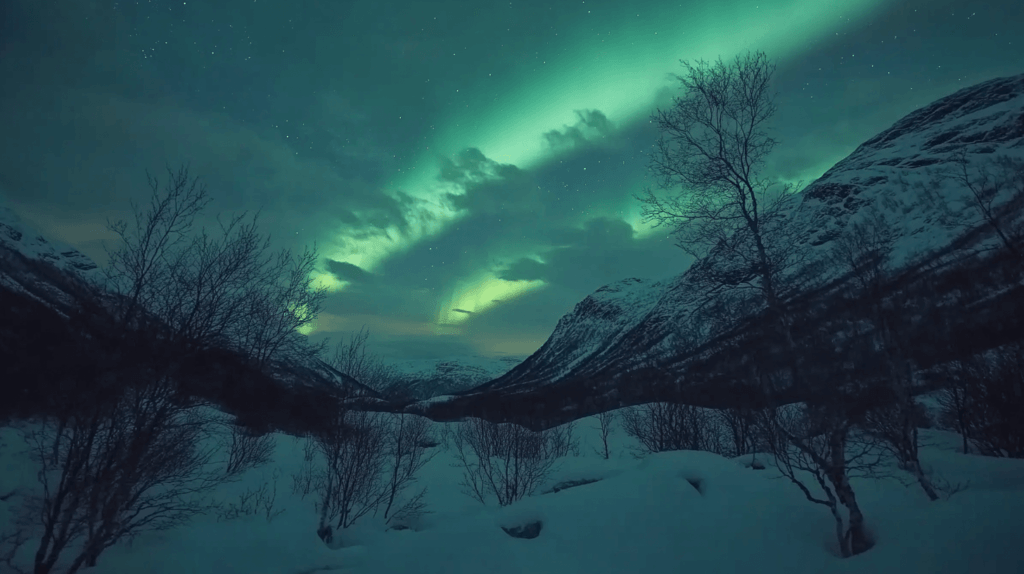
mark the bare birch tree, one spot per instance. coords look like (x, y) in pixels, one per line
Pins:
(355, 360)
(349, 482)
(865, 252)
(996, 194)
(405, 449)
(819, 444)
(504, 460)
(117, 461)
(663, 426)
(605, 421)
(714, 144)
(202, 290)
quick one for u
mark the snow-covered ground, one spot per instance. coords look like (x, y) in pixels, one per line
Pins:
(641, 516)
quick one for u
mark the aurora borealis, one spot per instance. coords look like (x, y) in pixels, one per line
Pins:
(467, 169)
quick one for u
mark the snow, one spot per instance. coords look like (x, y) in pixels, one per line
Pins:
(632, 322)
(17, 235)
(428, 377)
(640, 516)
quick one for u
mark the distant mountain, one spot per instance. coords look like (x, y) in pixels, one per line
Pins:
(636, 323)
(432, 377)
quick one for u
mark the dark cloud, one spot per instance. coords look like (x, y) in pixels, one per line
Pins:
(490, 187)
(524, 269)
(348, 272)
(457, 310)
(591, 125)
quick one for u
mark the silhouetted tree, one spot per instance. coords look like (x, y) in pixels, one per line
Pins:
(663, 426)
(129, 456)
(996, 195)
(504, 460)
(865, 252)
(724, 214)
(201, 290)
(985, 397)
(820, 441)
(355, 360)
(604, 427)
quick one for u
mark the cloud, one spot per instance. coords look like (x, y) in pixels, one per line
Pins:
(491, 187)
(590, 125)
(348, 272)
(462, 311)
(524, 269)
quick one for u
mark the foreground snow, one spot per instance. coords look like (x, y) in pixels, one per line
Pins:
(641, 516)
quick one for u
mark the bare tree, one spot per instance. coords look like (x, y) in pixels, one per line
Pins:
(410, 511)
(663, 426)
(11, 542)
(996, 191)
(117, 461)
(247, 450)
(954, 401)
(715, 143)
(349, 483)
(503, 460)
(820, 444)
(204, 290)
(254, 501)
(278, 308)
(140, 264)
(865, 252)
(405, 449)
(361, 461)
(207, 282)
(986, 398)
(354, 359)
(741, 422)
(563, 440)
(604, 427)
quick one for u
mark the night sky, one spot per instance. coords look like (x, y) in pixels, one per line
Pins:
(466, 168)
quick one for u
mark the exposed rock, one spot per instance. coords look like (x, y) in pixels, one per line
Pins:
(528, 530)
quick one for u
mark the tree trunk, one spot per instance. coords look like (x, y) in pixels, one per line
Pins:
(856, 535)
(923, 480)
(859, 540)
(844, 542)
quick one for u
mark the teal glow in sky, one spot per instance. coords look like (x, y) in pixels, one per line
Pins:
(466, 168)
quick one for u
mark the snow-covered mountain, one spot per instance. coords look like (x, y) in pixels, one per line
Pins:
(17, 235)
(432, 377)
(636, 322)
(22, 248)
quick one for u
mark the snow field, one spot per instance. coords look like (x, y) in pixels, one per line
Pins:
(680, 511)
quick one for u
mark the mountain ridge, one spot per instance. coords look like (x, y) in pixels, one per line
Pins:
(885, 173)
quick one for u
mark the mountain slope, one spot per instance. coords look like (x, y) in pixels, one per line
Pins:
(50, 272)
(633, 323)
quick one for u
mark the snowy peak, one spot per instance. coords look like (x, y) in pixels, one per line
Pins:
(21, 237)
(989, 112)
(48, 272)
(430, 377)
(594, 324)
